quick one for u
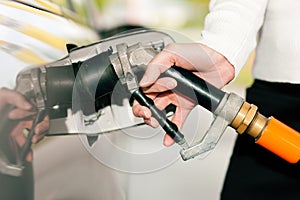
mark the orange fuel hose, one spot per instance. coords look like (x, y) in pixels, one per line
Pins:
(281, 140)
(268, 132)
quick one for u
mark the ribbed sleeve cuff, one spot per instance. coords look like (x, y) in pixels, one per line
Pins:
(231, 29)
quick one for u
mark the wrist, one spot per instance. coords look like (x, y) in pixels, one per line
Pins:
(221, 65)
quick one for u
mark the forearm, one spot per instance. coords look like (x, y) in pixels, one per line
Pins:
(231, 28)
(221, 71)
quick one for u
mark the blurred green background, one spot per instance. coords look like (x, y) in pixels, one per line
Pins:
(183, 16)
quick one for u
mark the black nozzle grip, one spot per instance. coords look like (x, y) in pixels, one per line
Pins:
(169, 127)
(27, 146)
(195, 88)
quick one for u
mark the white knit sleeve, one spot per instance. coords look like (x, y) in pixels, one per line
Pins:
(231, 28)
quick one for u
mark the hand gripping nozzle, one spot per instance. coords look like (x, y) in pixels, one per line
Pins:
(123, 61)
(229, 109)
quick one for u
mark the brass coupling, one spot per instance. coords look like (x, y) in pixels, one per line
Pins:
(249, 120)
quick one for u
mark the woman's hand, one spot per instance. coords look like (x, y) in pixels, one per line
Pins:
(201, 60)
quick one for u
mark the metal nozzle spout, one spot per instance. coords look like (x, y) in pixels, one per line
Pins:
(184, 145)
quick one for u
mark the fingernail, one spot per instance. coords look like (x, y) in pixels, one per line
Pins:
(147, 114)
(168, 143)
(11, 115)
(29, 157)
(171, 84)
(154, 123)
(144, 81)
(144, 114)
(27, 105)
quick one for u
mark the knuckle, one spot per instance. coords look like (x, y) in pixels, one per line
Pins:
(170, 46)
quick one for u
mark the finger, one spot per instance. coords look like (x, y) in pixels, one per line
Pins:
(178, 118)
(18, 132)
(158, 65)
(168, 141)
(165, 99)
(161, 103)
(152, 122)
(14, 98)
(41, 130)
(43, 126)
(29, 156)
(192, 56)
(141, 111)
(37, 138)
(20, 139)
(18, 136)
(172, 54)
(161, 85)
(19, 114)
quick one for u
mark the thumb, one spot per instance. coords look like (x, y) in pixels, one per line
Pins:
(158, 65)
(14, 98)
(168, 141)
(152, 73)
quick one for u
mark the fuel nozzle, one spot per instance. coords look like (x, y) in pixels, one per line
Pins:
(228, 109)
(231, 110)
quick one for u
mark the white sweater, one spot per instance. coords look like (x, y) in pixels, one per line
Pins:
(235, 27)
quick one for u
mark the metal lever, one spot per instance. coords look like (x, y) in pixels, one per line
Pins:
(224, 114)
(169, 127)
(130, 79)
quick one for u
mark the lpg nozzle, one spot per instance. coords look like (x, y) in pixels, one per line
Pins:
(229, 109)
